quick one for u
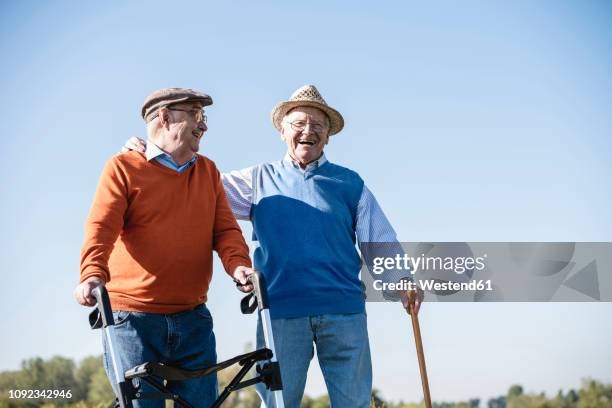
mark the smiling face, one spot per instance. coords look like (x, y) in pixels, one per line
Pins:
(306, 132)
(182, 135)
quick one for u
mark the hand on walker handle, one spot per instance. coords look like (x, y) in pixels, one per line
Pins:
(82, 293)
(240, 277)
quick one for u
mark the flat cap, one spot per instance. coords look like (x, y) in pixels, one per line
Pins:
(170, 96)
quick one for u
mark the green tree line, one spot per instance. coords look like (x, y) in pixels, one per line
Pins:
(89, 388)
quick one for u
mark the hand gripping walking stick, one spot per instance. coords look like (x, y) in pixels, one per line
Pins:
(419, 345)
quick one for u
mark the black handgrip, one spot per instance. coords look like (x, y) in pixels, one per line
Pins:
(259, 288)
(103, 306)
(246, 306)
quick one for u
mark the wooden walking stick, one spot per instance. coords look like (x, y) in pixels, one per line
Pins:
(419, 345)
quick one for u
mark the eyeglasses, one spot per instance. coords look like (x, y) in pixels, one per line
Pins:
(300, 125)
(198, 114)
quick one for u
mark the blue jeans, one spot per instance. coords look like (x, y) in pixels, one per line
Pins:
(184, 339)
(343, 351)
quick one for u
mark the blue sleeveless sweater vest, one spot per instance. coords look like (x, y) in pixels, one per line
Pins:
(304, 223)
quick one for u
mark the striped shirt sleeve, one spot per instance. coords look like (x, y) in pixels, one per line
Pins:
(238, 186)
(372, 224)
(373, 227)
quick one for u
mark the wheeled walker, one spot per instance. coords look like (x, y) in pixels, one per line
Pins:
(154, 373)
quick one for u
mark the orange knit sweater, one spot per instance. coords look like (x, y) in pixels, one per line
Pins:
(151, 232)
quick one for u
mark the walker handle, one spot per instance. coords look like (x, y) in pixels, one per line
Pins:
(259, 289)
(102, 315)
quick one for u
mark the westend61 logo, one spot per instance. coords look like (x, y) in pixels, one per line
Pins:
(424, 263)
(488, 271)
(448, 273)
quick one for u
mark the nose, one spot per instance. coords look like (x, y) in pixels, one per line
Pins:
(202, 126)
(307, 129)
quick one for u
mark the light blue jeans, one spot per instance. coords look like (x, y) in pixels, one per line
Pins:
(183, 339)
(343, 351)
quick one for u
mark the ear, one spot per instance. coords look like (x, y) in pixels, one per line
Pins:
(164, 114)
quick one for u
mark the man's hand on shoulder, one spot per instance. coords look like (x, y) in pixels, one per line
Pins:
(134, 143)
(240, 276)
(82, 293)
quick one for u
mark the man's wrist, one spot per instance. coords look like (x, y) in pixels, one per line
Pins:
(92, 278)
(234, 267)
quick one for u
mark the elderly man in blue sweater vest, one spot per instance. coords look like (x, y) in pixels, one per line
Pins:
(307, 215)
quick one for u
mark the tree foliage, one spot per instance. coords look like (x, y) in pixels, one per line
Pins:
(90, 389)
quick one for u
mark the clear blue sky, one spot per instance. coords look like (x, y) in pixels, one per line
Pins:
(471, 121)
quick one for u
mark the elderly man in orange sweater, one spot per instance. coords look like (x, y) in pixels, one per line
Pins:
(155, 220)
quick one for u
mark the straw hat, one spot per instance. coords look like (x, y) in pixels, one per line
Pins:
(308, 95)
